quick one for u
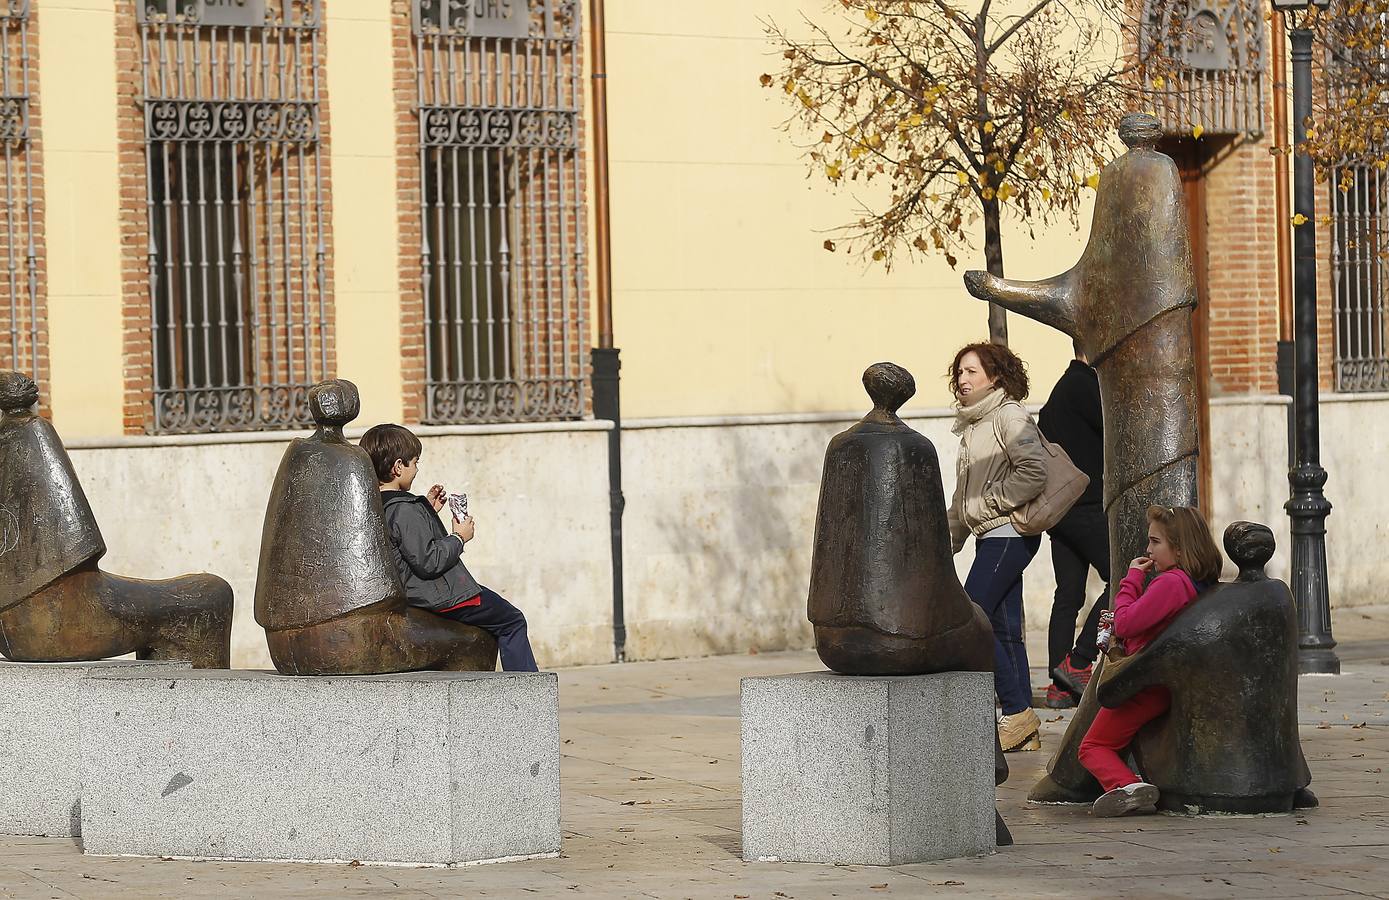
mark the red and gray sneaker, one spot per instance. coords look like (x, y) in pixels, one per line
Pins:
(1059, 698)
(1071, 678)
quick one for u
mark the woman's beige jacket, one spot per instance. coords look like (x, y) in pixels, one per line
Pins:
(993, 477)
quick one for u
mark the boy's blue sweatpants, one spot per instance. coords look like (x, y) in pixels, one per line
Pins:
(506, 623)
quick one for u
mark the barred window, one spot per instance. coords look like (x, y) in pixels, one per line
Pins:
(1360, 278)
(239, 305)
(22, 323)
(502, 247)
(1359, 195)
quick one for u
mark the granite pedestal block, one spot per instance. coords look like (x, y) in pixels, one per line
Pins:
(40, 748)
(425, 768)
(865, 770)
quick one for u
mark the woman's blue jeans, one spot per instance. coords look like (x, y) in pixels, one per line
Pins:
(995, 584)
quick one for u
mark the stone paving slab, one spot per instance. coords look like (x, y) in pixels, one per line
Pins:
(651, 808)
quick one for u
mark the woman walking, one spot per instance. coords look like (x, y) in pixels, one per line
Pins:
(1000, 468)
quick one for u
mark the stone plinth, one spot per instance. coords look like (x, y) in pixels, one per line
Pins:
(432, 768)
(865, 770)
(40, 757)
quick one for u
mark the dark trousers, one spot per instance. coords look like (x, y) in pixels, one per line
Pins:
(1079, 542)
(995, 584)
(506, 623)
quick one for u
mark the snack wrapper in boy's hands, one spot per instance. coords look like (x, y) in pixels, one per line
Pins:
(458, 505)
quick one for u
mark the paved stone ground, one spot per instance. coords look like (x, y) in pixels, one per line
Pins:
(651, 809)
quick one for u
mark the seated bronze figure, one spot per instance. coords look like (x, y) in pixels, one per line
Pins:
(884, 595)
(327, 592)
(56, 605)
(1229, 743)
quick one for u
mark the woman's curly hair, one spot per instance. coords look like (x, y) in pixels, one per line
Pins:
(1000, 364)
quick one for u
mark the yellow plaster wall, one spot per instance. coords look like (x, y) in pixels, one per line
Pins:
(724, 301)
(77, 84)
(365, 262)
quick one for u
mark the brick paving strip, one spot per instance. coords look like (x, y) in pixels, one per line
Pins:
(651, 809)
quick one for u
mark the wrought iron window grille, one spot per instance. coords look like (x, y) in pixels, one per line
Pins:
(1359, 204)
(502, 244)
(235, 208)
(21, 320)
(1218, 49)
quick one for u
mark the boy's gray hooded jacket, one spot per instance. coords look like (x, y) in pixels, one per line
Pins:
(428, 557)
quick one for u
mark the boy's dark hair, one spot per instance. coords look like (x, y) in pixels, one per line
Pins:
(387, 443)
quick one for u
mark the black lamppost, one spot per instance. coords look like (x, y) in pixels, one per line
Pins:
(1307, 507)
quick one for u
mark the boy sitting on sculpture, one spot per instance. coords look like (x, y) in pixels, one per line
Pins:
(429, 557)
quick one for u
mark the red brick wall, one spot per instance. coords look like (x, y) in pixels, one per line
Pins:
(1242, 270)
(408, 213)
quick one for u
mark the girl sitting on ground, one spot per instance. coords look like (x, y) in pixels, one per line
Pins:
(1185, 561)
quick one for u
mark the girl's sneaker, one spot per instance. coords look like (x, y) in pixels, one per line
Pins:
(1139, 797)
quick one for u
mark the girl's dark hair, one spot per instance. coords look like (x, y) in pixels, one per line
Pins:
(1191, 541)
(1000, 364)
(387, 443)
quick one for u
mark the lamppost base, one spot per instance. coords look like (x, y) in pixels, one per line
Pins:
(1319, 661)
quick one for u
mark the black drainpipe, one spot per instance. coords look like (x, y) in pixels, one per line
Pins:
(606, 387)
(607, 405)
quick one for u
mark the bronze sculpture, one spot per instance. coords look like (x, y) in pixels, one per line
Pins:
(884, 595)
(56, 605)
(327, 591)
(1128, 304)
(1229, 742)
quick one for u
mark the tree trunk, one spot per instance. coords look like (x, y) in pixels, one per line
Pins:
(993, 258)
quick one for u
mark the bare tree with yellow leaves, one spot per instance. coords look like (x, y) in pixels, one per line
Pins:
(1349, 127)
(961, 114)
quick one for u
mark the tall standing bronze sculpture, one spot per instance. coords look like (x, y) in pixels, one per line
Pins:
(56, 605)
(1128, 303)
(884, 596)
(327, 592)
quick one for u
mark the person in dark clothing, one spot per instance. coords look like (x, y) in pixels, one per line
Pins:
(1072, 418)
(429, 557)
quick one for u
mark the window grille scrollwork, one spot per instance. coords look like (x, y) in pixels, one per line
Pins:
(502, 241)
(235, 205)
(1218, 49)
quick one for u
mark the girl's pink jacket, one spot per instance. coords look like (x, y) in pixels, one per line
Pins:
(1141, 615)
